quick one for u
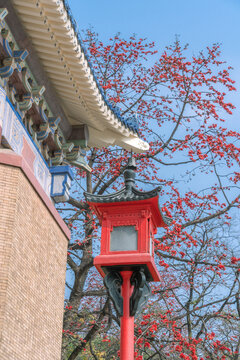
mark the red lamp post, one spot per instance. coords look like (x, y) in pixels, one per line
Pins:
(129, 220)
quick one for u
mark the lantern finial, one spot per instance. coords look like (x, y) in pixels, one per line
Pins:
(129, 174)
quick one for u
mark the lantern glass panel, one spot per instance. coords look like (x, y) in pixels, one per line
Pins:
(123, 238)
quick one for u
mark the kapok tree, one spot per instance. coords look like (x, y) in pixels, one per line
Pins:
(184, 112)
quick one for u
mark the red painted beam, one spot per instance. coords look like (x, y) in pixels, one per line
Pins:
(127, 259)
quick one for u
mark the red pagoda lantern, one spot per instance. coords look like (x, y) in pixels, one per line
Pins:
(129, 220)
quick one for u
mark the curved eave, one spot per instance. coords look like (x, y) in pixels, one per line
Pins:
(53, 37)
(123, 195)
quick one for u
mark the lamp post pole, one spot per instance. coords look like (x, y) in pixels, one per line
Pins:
(127, 321)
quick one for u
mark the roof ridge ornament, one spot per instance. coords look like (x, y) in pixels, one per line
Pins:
(129, 192)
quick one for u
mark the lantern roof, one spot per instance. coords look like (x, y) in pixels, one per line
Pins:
(129, 193)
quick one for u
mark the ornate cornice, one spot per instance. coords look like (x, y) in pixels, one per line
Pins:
(27, 98)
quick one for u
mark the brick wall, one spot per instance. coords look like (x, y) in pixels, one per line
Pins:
(32, 272)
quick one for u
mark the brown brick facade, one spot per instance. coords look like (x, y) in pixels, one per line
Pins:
(32, 272)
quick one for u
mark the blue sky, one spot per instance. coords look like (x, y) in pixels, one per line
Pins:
(199, 23)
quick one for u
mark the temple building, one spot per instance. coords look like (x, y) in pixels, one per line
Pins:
(52, 109)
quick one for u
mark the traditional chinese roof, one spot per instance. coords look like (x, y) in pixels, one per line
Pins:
(124, 194)
(129, 192)
(53, 35)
